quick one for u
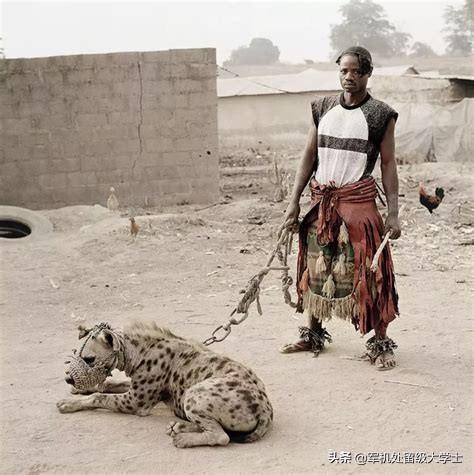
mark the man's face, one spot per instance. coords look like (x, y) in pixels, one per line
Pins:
(352, 80)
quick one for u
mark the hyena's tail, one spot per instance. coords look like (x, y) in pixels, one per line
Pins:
(264, 422)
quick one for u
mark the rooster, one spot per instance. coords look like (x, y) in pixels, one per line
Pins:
(134, 228)
(112, 201)
(430, 202)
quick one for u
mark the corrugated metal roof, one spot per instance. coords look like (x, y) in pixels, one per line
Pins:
(310, 80)
(436, 75)
(306, 81)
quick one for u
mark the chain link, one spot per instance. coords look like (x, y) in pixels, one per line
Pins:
(252, 292)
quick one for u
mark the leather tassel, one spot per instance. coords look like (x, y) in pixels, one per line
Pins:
(304, 282)
(329, 288)
(320, 264)
(343, 237)
(340, 267)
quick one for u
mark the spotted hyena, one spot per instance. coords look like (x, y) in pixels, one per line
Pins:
(219, 399)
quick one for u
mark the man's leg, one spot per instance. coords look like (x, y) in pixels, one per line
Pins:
(312, 338)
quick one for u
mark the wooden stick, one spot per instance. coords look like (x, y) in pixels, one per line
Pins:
(375, 260)
(408, 384)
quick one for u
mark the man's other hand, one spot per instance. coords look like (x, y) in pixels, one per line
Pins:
(291, 217)
(392, 225)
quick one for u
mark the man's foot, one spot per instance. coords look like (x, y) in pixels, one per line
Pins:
(380, 353)
(385, 361)
(300, 345)
(311, 340)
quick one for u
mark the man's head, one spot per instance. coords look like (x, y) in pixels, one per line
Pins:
(355, 68)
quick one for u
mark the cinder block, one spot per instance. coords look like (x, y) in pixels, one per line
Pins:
(125, 59)
(209, 55)
(76, 179)
(158, 145)
(90, 120)
(116, 118)
(67, 165)
(196, 55)
(87, 61)
(150, 158)
(65, 63)
(10, 170)
(53, 122)
(79, 76)
(157, 87)
(187, 86)
(209, 85)
(106, 104)
(34, 138)
(117, 132)
(50, 180)
(15, 66)
(175, 187)
(155, 71)
(190, 144)
(126, 88)
(129, 146)
(37, 167)
(112, 177)
(9, 141)
(155, 56)
(200, 71)
(18, 126)
(174, 100)
(176, 158)
(96, 163)
(196, 100)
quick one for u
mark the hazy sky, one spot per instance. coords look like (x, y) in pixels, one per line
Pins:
(299, 29)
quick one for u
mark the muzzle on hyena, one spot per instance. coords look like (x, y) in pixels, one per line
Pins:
(220, 399)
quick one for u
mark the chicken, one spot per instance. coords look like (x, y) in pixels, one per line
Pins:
(430, 202)
(112, 201)
(134, 228)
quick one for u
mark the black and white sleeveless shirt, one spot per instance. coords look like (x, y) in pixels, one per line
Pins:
(349, 137)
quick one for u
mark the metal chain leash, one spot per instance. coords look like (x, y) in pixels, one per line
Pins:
(252, 291)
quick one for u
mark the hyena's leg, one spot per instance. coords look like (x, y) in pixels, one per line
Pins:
(115, 387)
(109, 387)
(178, 427)
(211, 433)
(127, 402)
(199, 415)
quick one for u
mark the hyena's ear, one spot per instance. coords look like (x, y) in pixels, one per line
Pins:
(110, 339)
(83, 331)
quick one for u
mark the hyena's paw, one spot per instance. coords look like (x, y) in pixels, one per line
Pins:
(177, 427)
(184, 440)
(195, 439)
(68, 405)
(81, 391)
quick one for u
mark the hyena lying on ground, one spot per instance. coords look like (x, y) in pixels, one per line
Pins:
(220, 399)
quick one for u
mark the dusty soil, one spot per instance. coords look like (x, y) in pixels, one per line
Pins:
(185, 271)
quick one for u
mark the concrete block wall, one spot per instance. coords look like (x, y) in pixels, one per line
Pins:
(73, 126)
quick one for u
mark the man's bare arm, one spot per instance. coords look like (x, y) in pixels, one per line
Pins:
(303, 174)
(306, 165)
(390, 179)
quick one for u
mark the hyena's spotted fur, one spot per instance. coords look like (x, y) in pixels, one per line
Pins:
(217, 396)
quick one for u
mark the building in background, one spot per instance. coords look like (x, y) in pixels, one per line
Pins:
(435, 121)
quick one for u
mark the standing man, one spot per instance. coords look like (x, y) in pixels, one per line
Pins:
(341, 233)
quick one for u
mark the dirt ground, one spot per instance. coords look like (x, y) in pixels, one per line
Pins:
(185, 271)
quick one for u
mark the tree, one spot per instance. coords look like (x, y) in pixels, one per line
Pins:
(421, 50)
(365, 24)
(261, 51)
(459, 28)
